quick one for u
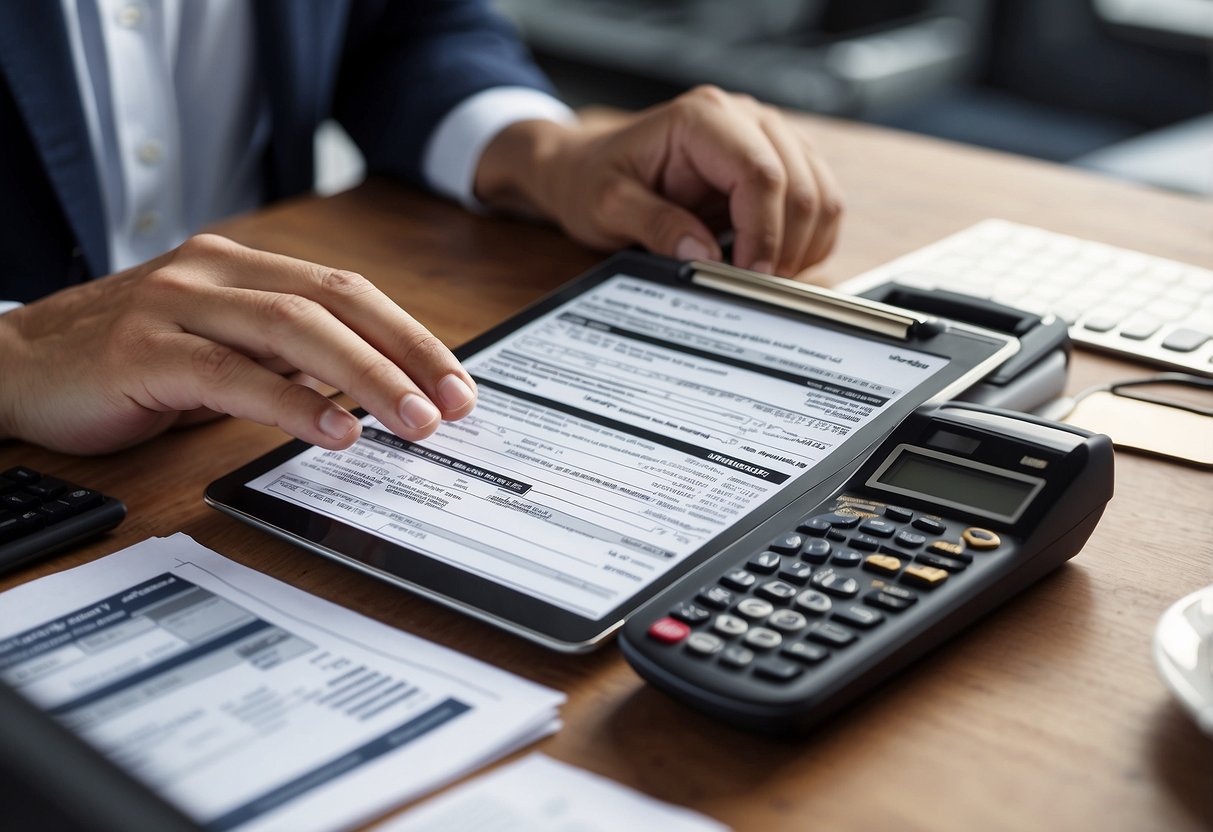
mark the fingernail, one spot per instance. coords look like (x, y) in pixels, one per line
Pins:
(763, 266)
(454, 393)
(336, 424)
(417, 412)
(689, 248)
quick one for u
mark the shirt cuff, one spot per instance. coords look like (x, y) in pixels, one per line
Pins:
(453, 150)
(9, 306)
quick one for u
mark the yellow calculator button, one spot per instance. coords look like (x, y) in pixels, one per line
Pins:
(946, 547)
(980, 538)
(926, 576)
(885, 564)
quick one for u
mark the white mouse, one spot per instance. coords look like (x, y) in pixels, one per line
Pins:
(1183, 651)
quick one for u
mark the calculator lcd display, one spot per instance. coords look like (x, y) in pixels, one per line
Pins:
(959, 483)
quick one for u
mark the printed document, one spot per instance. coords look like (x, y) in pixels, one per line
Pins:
(248, 703)
(539, 794)
(615, 435)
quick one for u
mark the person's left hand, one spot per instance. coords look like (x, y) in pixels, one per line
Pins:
(671, 178)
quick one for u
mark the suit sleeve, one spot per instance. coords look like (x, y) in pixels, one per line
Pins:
(408, 63)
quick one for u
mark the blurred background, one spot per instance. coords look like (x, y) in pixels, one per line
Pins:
(1120, 86)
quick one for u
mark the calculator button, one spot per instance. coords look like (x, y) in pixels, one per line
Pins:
(831, 635)
(898, 515)
(949, 564)
(926, 524)
(861, 617)
(883, 564)
(950, 550)
(736, 656)
(797, 572)
(47, 488)
(898, 592)
(82, 498)
(803, 651)
(55, 511)
(18, 502)
(832, 583)
(729, 625)
(839, 521)
(787, 621)
(980, 538)
(718, 598)
(816, 551)
(764, 562)
(668, 631)
(812, 601)
(910, 540)
(835, 534)
(754, 608)
(885, 601)
(14, 526)
(865, 542)
(689, 613)
(704, 644)
(763, 638)
(789, 544)
(22, 475)
(846, 557)
(777, 591)
(924, 576)
(777, 670)
(814, 526)
(878, 527)
(738, 579)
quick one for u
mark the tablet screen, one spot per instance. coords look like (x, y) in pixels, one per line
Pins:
(615, 435)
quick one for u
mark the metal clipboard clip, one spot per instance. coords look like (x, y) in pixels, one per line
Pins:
(854, 311)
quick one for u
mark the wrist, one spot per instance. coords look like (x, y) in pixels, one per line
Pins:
(12, 351)
(520, 170)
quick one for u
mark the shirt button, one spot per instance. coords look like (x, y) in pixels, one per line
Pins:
(147, 223)
(150, 152)
(130, 15)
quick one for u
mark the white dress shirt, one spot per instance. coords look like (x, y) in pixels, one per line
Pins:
(178, 122)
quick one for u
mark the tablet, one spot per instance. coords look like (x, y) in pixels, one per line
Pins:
(629, 427)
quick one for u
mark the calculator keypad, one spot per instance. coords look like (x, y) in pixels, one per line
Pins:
(820, 588)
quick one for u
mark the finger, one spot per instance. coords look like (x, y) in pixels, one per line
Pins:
(362, 307)
(633, 213)
(829, 216)
(190, 372)
(727, 148)
(802, 199)
(303, 334)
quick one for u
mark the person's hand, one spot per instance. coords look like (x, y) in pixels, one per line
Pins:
(216, 327)
(671, 178)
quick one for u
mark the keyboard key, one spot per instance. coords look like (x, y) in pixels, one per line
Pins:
(831, 635)
(777, 670)
(1185, 340)
(856, 616)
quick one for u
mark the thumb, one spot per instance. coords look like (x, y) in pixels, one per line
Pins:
(640, 215)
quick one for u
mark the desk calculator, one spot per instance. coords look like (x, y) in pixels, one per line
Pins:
(957, 510)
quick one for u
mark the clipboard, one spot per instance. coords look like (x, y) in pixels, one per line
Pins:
(631, 425)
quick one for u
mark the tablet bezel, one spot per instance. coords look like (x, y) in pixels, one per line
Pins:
(972, 353)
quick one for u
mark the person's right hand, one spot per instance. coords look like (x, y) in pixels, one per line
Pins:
(213, 326)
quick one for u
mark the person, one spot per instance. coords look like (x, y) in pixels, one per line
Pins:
(184, 112)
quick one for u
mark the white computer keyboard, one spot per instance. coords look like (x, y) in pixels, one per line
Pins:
(1114, 299)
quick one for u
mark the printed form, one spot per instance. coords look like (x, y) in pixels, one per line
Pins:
(615, 435)
(248, 703)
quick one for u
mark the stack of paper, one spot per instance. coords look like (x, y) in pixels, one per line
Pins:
(248, 703)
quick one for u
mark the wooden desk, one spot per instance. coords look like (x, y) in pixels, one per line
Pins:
(1047, 716)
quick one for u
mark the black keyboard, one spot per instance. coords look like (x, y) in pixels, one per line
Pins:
(40, 515)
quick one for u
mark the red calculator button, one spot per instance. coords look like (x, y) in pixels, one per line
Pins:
(668, 630)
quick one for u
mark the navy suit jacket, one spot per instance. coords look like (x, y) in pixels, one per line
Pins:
(388, 70)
